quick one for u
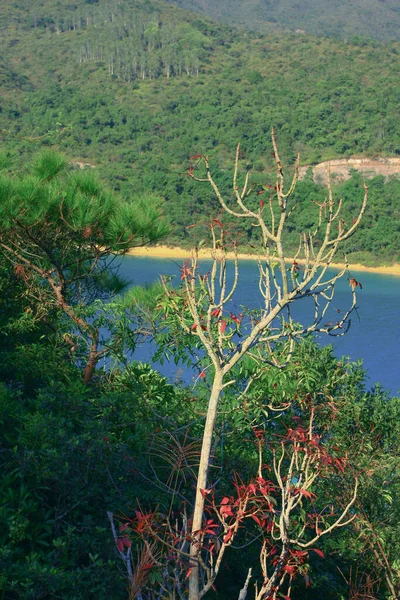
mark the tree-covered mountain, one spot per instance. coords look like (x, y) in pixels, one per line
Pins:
(137, 87)
(89, 436)
(375, 19)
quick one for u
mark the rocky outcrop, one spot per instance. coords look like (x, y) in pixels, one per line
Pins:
(82, 165)
(341, 168)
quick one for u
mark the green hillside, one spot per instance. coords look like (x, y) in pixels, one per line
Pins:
(137, 87)
(375, 19)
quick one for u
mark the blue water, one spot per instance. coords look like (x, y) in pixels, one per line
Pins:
(374, 335)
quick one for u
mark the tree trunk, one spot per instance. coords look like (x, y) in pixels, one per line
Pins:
(194, 579)
(92, 359)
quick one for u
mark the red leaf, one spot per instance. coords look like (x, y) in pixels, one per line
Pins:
(195, 156)
(262, 203)
(193, 327)
(204, 493)
(252, 488)
(217, 222)
(226, 510)
(202, 375)
(236, 319)
(211, 526)
(319, 552)
(260, 192)
(228, 536)
(305, 493)
(354, 283)
(211, 531)
(222, 326)
(147, 566)
(120, 545)
(216, 312)
(225, 500)
(188, 573)
(339, 464)
(289, 569)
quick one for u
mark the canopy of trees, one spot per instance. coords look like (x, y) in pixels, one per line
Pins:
(78, 76)
(126, 441)
(371, 19)
(102, 495)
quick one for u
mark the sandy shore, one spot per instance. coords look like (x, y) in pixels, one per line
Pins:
(181, 253)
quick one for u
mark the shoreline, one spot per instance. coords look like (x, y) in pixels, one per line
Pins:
(181, 253)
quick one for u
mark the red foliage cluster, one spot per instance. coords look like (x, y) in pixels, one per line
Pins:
(186, 271)
(260, 501)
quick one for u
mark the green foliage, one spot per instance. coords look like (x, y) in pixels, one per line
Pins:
(48, 165)
(326, 99)
(48, 203)
(60, 230)
(72, 452)
(369, 430)
(363, 426)
(166, 86)
(69, 455)
(368, 19)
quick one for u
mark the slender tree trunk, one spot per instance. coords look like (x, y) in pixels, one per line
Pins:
(243, 591)
(194, 579)
(267, 590)
(92, 359)
(388, 571)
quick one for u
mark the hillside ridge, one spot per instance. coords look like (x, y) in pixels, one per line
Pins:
(373, 19)
(139, 87)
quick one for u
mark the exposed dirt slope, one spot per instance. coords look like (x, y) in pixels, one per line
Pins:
(341, 168)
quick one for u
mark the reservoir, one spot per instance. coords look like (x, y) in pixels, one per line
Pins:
(374, 335)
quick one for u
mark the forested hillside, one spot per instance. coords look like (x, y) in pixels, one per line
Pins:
(99, 452)
(263, 466)
(136, 88)
(374, 19)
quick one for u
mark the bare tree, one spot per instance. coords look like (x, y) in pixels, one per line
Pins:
(204, 309)
(208, 297)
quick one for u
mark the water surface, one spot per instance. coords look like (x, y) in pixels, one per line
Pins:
(374, 334)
